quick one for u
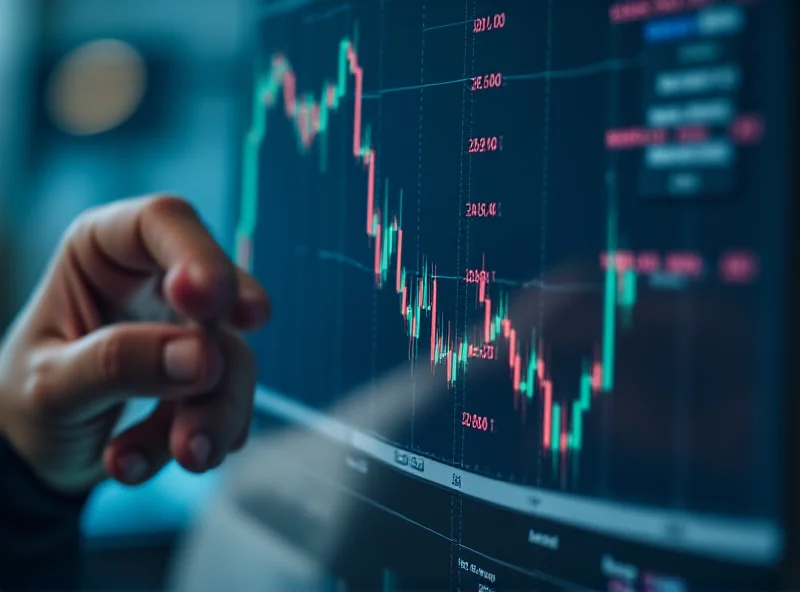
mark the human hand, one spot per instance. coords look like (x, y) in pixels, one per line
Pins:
(70, 361)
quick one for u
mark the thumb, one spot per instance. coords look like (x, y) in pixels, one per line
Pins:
(123, 360)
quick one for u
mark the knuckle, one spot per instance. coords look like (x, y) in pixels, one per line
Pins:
(161, 205)
(110, 359)
(81, 224)
(40, 388)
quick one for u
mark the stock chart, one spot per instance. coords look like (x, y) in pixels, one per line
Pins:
(554, 219)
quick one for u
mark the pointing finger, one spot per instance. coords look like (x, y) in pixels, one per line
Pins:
(161, 234)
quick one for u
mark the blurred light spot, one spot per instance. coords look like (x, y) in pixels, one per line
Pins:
(748, 128)
(738, 267)
(96, 87)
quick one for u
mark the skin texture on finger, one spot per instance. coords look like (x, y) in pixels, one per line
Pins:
(140, 452)
(206, 428)
(100, 370)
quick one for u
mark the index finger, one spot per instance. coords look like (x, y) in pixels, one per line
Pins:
(162, 234)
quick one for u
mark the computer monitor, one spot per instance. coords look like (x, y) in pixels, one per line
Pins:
(530, 266)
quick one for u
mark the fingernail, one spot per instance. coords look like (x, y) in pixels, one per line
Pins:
(200, 447)
(182, 359)
(134, 467)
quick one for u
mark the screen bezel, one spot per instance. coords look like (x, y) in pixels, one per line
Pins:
(790, 566)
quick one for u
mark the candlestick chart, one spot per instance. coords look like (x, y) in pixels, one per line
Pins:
(418, 296)
(413, 183)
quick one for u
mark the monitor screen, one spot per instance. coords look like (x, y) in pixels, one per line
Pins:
(528, 261)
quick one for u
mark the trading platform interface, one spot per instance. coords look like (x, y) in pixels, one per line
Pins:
(536, 252)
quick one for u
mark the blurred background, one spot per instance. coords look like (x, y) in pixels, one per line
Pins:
(101, 100)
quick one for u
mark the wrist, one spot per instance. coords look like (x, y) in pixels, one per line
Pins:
(39, 529)
(69, 480)
(19, 476)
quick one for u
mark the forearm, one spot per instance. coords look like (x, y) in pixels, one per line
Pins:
(39, 530)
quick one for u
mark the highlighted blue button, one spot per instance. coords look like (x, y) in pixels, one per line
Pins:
(671, 29)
